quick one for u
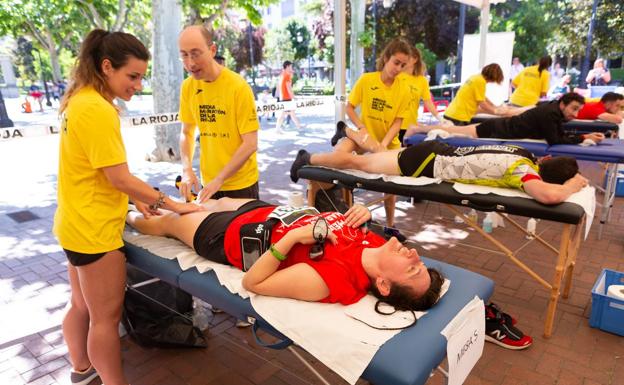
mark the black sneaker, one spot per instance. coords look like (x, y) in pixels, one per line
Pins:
(502, 333)
(341, 132)
(498, 313)
(302, 159)
(391, 232)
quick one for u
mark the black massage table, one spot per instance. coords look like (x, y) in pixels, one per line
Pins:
(570, 214)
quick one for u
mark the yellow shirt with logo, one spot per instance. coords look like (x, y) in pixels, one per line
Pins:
(380, 104)
(471, 93)
(91, 213)
(529, 85)
(418, 89)
(223, 110)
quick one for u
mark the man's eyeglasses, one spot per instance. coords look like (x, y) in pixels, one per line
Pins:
(193, 56)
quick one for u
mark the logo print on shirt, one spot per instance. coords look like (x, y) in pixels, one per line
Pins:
(374, 88)
(378, 104)
(198, 91)
(208, 113)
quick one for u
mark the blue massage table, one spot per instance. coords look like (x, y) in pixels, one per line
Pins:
(610, 151)
(406, 359)
(570, 214)
(575, 126)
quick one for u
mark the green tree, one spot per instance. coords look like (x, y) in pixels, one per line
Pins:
(24, 59)
(212, 13)
(299, 39)
(531, 24)
(51, 24)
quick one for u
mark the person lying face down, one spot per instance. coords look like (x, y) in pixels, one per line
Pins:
(354, 260)
(549, 181)
(542, 122)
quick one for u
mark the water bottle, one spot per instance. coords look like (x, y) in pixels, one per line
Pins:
(531, 225)
(473, 216)
(487, 223)
(201, 315)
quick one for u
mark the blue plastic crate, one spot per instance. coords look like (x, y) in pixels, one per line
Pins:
(607, 312)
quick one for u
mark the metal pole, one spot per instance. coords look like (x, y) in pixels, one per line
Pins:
(340, 57)
(460, 41)
(590, 33)
(483, 30)
(4, 117)
(45, 85)
(251, 59)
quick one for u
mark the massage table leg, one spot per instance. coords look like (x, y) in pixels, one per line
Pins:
(609, 195)
(571, 262)
(557, 278)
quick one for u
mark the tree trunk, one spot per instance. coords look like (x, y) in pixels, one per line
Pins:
(166, 76)
(50, 45)
(358, 13)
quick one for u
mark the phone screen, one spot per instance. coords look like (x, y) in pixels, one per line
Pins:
(251, 248)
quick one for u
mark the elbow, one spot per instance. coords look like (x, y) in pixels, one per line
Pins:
(247, 284)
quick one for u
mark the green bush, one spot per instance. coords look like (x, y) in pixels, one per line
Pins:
(617, 74)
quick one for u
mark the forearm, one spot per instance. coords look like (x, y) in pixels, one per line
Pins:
(393, 131)
(432, 108)
(141, 191)
(488, 107)
(353, 117)
(187, 149)
(267, 264)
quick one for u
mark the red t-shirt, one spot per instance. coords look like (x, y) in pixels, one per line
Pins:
(341, 264)
(286, 80)
(591, 110)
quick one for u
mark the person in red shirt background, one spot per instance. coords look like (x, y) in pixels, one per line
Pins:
(354, 260)
(286, 95)
(608, 108)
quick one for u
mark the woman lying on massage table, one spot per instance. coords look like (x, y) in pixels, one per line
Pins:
(353, 261)
(549, 181)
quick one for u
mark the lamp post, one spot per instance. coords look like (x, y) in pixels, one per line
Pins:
(45, 84)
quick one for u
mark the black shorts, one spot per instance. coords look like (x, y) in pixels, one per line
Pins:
(456, 122)
(251, 192)
(417, 160)
(82, 259)
(208, 239)
(493, 128)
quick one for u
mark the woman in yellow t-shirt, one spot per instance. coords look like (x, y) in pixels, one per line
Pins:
(531, 84)
(383, 100)
(418, 88)
(93, 188)
(471, 96)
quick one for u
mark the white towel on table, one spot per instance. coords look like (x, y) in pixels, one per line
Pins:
(326, 331)
(404, 180)
(586, 198)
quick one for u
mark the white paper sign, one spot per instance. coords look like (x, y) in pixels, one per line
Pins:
(465, 336)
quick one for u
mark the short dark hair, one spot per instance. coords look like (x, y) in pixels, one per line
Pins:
(571, 97)
(402, 297)
(286, 64)
(492, 73)
(611, 97)
(219, 59)
(558, 169)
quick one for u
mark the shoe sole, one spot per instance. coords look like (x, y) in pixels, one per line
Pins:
(499, 343)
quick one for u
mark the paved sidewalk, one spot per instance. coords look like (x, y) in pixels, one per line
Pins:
(34, 289)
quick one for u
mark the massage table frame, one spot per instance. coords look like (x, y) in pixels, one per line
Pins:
(568, 246)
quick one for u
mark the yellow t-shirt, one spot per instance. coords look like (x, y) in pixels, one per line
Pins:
(380, 104)
(91, 213)
(418, 88)
(529, 85)
(223, 110)
(467, 100)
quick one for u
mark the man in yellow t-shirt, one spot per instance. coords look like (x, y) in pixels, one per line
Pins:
(471, 96)
(531, 84)
(222, 105)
